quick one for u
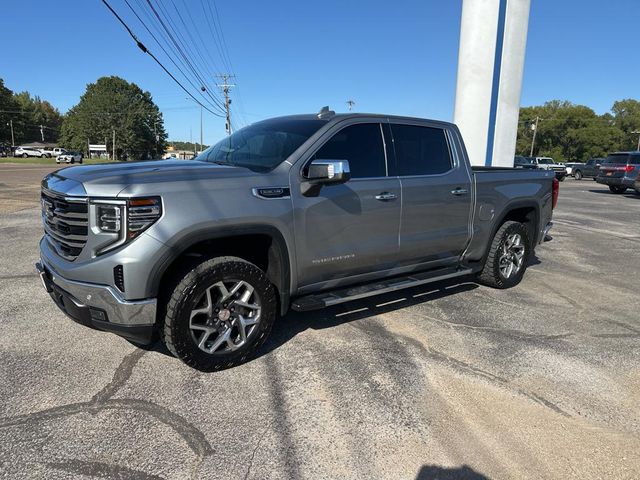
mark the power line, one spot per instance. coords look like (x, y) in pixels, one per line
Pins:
(181, 51)
(165, 51)
(145, 50)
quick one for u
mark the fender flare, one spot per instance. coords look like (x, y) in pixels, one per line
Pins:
(279, 247)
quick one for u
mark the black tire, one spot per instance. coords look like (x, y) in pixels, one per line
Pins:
(577, 175)
(72, 161)
(42, 155)
(491, 275)
(191, 289)
(617, 189)
(561, 179)
(24, 155)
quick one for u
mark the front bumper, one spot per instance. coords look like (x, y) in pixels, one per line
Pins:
(100, 306)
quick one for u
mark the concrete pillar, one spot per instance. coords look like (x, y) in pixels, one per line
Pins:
(493, 38)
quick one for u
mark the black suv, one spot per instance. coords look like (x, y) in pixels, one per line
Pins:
(619, 171)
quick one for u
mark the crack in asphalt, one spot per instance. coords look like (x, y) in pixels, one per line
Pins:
(103, 400)
(466, 368)
(100, 470)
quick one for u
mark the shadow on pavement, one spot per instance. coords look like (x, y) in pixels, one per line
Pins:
(433, 472)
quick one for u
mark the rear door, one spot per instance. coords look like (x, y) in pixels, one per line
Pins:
(436, 194)
(350, 229)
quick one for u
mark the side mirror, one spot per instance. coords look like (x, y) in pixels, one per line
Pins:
(325, 172)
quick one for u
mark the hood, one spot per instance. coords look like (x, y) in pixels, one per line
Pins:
(109, 179)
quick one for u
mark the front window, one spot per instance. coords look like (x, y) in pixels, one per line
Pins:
(262, 146)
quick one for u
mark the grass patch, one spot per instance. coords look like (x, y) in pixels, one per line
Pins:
(48, 161)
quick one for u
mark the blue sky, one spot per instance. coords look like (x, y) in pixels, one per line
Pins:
(293, 56)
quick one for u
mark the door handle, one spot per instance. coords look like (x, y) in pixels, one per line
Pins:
(386, 196)
(459, 191)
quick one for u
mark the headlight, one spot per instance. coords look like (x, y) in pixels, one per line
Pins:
(122, 221)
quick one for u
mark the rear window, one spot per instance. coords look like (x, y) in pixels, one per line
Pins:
(420, 150)
(617, 158)
(634, 159)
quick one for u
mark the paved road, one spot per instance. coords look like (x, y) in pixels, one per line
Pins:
(447, 381)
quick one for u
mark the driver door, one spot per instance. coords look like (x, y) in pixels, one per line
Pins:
(349, 232)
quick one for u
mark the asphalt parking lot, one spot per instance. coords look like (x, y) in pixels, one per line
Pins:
(452, 380)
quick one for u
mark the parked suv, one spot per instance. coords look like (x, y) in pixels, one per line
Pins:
(589, 169)
(25, 152)
(619, 171)
(301, 212)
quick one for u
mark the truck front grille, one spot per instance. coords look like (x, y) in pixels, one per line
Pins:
(65, 222)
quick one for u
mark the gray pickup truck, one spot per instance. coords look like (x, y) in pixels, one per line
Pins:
(300, 212)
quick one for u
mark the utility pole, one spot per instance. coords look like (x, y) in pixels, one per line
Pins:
(41, 133)
(13, 141)
(227, 101)
(535, 131)
(637, 132)
(114, 145)
(350, 104)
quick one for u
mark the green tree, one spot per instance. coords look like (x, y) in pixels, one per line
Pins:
(38, 120)
(626, 116)
(115, 105)
(567, 132)
(8, 105)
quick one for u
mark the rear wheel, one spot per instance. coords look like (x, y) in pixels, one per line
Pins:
(43, 155)
(617, 189)
(508, 256)
(24, 155)
(577, 175)
(72, 161)
(219, 314)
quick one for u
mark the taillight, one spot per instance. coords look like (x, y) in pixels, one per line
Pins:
(629, 168)
(555, 192)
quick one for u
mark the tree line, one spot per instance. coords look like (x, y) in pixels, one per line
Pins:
(112, 111)
(30, 118)
(569, 132)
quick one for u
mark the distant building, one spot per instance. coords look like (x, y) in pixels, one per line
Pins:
(98, 151)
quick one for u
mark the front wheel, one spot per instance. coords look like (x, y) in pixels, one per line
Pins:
(578, 175)
(508, 256)
(617, 189)
(219, 314)
(24, 155)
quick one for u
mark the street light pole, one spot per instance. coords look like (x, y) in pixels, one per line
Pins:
(13, 142)
(533, 140)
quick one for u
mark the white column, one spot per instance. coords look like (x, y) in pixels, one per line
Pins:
(493, 38)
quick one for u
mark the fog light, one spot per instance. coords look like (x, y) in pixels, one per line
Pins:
(98, 315)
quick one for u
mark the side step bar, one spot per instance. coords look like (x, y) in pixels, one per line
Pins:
(326, 299)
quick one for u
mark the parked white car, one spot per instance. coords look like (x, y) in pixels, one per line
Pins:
(69, 157)
(25, 152)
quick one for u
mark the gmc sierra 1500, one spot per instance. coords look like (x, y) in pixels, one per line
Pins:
(302, 211)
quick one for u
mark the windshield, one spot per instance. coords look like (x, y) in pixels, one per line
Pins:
(545, 161)
(523, 161)
(263, 145)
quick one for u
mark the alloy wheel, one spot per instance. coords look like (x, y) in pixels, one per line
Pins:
(512, 256)
(225, 316)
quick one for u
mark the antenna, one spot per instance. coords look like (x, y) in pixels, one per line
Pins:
(326, 113)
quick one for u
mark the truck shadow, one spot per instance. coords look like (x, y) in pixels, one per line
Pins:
(294, 323)
(434, 472)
